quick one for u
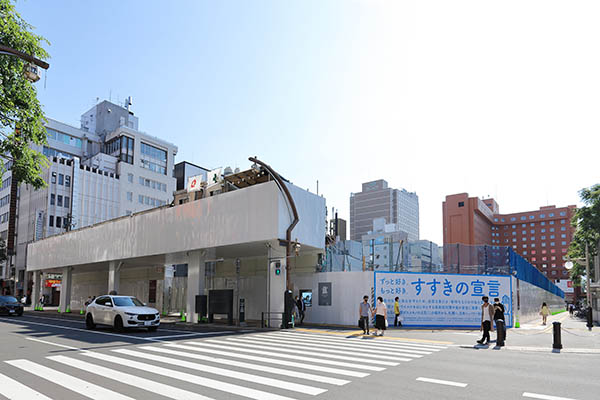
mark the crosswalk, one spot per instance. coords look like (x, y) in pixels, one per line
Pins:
(281, 365)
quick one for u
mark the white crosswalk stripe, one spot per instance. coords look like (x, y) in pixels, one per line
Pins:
(14, 390)
(69, 382)
(259, 366)
(211, 343)
(355, 348)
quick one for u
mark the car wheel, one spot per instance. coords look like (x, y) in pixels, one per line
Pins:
(152, 329)
(89, 321)
(20, 313)
(118, 324)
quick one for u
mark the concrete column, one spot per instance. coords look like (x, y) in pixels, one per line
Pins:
(65, 290)
(114, 275)
(196, 282)
(35, 290)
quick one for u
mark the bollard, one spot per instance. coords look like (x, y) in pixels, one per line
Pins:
(590, 322)
(556, 335)
(501, 332)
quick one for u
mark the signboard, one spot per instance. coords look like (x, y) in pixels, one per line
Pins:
(306, 296)
(566, 285)
(442, 300)
(55, 283)
(324, 293)
(194, 183)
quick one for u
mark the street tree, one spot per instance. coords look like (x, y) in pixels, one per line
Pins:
(21, 115)
(587, 230)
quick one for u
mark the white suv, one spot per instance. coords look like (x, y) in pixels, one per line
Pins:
(121, 312)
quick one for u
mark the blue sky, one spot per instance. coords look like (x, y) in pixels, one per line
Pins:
(437, 97)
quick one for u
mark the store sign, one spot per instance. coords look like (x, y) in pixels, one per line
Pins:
(214, 176)
(566, 285)
(53, 283)
(441, 300)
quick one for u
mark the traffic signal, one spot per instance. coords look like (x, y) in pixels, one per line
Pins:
(277, 268)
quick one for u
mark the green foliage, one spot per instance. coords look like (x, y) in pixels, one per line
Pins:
(587, 223)
(21, 116)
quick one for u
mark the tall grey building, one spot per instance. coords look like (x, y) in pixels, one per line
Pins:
(376, 200)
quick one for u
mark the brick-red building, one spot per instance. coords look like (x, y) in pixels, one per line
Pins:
(542, 236)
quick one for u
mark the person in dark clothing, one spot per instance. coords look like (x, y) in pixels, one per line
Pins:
(499, 316)
(364, 311)
(487, 316)
(301, 309)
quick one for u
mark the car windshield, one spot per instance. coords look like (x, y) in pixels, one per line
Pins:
(8, 299)
(127, 302)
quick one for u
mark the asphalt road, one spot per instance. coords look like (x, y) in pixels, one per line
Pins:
(60, 359)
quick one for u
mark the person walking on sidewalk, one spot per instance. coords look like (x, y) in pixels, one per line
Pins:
(500, 327)
(487, 315)
(397, 321)
(301, 309)
(380, 316)
(544, 312)
(364, 312)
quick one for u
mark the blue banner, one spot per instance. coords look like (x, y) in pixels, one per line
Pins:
(442, 300)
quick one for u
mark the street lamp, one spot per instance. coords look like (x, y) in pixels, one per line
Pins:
(588, 292)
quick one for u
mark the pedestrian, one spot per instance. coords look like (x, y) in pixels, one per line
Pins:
(500, 327)
(544, 312)
(364, 312)
(380, 316)
(397, 321)
(487, 315)
(301, 309)
(571, 309)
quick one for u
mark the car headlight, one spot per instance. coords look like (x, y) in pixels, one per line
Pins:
(130, 314)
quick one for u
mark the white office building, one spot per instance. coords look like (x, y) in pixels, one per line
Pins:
(103, 170)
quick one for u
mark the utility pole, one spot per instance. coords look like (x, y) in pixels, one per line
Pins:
(588, 289)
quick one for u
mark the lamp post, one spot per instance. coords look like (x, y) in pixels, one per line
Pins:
(588, 292)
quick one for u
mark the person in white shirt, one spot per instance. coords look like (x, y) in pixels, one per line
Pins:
(487, 316)
(380, 316)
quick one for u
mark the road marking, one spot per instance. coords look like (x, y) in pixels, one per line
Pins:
(76, 385)
(128, 379)
(363, 347)
(287, 349)
(225, 372)
(544, 396)
(191, 334)
(440, 382)
(311, 367)
(209, 343)
(14, 390)
(336, 349)
(387, 338)
(69, 328)
(374, 342)
(241, 364)
(54, 344)
(197, 380)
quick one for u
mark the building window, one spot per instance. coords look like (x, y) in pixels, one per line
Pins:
(513, 226)
(61, 179)
(564, 243)
(544, 265)
(523, 218)
(552, 244)
(544, 258)
(53, 177)
(140, 199)
(532, 224)
(551, 236)
(543, 237)
(495, 219)
(562, 228)
(551, 215)
(59, 200)
(58, 222)
(130, 178)
(532, 251)
(129, 196)
(543, 230)
(542, 215)
(553, 258)
(532, 244)
(67, 181)
(523, 232)
(543, 223)
(141, 181)
(533, 259)
(52, 199)
(51, 220)
(533, 238)
(524, 246)
(563, 213)
(524, 252)
(551, 222)
(147, 182)
(531, 217)
(67, 201)
(514, 233)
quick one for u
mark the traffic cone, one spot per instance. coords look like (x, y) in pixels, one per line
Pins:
(182, 316)
(81, 312)
(517, 325)
(58, 309)
(68, 309)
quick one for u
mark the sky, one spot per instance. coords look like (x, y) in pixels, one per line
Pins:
(495, 99)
